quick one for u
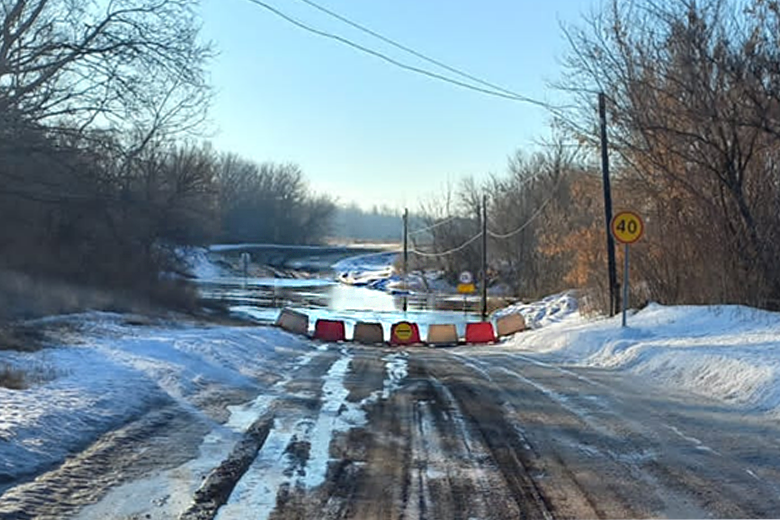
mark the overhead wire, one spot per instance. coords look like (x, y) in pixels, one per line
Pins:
(433, 226)
(531, 219)
(420, 55)
(451, 251)
(489, 91)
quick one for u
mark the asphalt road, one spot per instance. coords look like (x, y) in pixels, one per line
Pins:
(493, 434)
(471, 433)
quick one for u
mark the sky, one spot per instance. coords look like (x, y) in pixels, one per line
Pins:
(363, 130)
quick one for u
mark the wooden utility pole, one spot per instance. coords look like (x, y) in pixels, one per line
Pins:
(406, 256)
(613, 304)
(484, 257)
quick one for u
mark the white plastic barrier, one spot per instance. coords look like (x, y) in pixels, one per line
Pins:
(510, 324)
(293, 321)
(442, 335)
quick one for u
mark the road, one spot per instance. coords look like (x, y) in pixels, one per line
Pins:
(493, 434)
(483, 433)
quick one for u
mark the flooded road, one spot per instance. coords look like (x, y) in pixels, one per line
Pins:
(321, 295)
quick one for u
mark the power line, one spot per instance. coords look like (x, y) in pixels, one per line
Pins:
(533, 217)
(422, 56)
(433, 226)
(388, 59)
(451, 251)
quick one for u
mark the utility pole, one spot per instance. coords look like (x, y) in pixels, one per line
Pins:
(406, 254)
(613, 306)
(484, 257)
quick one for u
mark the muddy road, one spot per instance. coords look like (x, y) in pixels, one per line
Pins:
(472, 433)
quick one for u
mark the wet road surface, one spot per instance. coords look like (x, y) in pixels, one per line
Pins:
(466, 433)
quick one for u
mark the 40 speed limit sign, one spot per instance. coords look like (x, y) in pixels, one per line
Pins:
(627, 227)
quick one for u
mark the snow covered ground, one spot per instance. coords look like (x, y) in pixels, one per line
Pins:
(731, 353)
(200, 265)
(377, 271)
(115, 371)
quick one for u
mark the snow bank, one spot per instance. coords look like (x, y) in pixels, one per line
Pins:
(373, 270)
(553, 309)
(199, 264)
(730, 353)
(377, 271)
(116, 372)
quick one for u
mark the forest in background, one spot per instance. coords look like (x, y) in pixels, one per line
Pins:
(104, 173)
(693, 109)
(103, 170)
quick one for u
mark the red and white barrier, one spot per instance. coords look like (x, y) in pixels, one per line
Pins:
(329, 330)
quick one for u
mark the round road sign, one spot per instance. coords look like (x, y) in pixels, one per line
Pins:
(466, 277)
(403, 331)
(627, 227)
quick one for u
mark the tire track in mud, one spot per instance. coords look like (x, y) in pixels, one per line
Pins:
(480, 421)
(296, 460)
(587, 465)
(118, 456)
(617, 448)
(220, 483)
(431, 451)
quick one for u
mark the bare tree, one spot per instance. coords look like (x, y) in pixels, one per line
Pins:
(270, 202)
(693, 112)
(84, 64)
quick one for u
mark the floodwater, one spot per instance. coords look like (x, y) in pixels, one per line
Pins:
(261, 299)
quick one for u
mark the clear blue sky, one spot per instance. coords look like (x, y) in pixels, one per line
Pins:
(363, 130)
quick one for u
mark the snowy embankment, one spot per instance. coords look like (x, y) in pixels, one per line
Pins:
(114, 370)
(200, 265)
(377, 271)
(731, 353)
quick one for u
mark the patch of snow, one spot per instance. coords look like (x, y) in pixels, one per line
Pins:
(259, 314)
(731, 353)
(553, 309)
(397, 370)
(118, 371)
(331, 419)
(371, 270)
(199, 264)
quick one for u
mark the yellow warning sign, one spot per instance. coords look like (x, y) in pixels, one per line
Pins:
(627, 227)
(403, 331)
(467, 288)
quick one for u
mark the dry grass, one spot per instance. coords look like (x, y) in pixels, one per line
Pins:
(12, 378)
(20, 338)
(38, 372)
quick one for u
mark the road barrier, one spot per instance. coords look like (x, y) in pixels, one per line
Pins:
(510, 324)
(442, 334)
(404, 333)
(293, 321)
(480, 333)
(368, 333)
(329, 330)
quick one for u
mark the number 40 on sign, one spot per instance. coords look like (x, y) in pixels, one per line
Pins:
(627, 228)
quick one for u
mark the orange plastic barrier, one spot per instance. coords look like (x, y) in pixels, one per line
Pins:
(480, 332)
(329, 330)
(404, 333)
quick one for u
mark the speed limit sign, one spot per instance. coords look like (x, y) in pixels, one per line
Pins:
(627, 227)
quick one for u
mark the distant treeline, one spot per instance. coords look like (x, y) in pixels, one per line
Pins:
(378, 224)
(101, 181)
